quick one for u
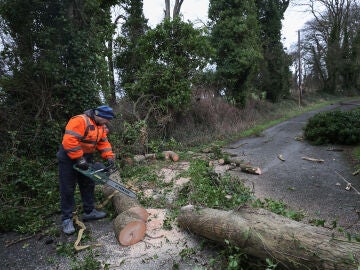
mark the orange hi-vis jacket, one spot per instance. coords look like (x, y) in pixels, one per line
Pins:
(84, 136)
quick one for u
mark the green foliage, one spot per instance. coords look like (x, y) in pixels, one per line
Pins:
(29, 194)
(236, 38)
(233, 258)
(317, 222)
(53, 67)
(211, 190)
(156, 146)
(278, 207)
(131, 135)
(89, 262)
(127, 60)
(356, 158)
(172, 54)
(275, 73)
(334, 127)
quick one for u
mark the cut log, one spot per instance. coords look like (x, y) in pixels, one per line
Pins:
(245, 167)
(250, 169)
(129, 229)
(139, 158)
(263, 234)
(124, 203)
(313, 159)
(171, 155)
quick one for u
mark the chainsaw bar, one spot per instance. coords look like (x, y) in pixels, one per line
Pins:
(120, 188)
(100, 177)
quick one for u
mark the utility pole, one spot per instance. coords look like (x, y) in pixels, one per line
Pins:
(300, 75)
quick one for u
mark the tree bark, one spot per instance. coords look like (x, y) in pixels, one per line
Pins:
(245, 167)
(266, 235)
(124, 203)
(177, 7)
(130, 223)
(167, 9)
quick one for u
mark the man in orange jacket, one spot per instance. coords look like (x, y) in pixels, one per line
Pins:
(84, 134)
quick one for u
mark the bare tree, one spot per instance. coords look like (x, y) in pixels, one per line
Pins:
(328, 39)
(176, 10)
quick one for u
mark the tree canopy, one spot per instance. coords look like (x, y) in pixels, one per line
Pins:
(235, 35)
(54, 66)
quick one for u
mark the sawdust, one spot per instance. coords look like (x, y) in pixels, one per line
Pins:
(165, 243)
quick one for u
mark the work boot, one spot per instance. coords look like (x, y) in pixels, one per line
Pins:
(68, 226)
(93, 215)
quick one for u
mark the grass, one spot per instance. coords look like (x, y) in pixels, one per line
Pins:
(356, 158)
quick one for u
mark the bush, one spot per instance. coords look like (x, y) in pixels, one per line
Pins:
(334, 127)
(29, 193)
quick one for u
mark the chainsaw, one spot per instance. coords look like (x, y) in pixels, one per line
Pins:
(100, 175)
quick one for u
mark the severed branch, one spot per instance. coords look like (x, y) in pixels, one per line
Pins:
(10, 243)
(245, 167)
(313, 159)
(348, 184)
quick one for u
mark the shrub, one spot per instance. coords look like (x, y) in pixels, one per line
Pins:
(29, 193)
(334, 127)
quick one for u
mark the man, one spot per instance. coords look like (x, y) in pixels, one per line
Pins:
(84, 134)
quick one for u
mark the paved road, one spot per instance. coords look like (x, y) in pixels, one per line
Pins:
(316, 188)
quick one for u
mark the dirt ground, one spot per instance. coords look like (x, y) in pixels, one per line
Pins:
(317, 188)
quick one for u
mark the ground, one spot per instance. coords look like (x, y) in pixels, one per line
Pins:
(317, 187)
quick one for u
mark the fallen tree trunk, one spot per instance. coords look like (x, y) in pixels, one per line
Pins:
(263, 234)
(129, 229)
(129, 225)
(124, 203)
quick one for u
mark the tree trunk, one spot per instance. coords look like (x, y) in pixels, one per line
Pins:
(167, 9)
(129, 229)
(124, 203)
(129, 225)
(177, 7)
(263, 234)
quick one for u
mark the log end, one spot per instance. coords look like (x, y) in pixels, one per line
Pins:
(132, 233)
(140, 212)
(171, 155)
(258, 171)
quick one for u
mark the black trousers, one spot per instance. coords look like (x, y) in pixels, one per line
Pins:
(68, 177)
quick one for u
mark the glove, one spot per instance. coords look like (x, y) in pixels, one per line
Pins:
(110, 162)
(82, 164)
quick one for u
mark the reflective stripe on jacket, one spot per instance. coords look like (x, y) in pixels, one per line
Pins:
(82, 135)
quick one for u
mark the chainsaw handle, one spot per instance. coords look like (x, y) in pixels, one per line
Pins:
(95, 169)
(77, 168)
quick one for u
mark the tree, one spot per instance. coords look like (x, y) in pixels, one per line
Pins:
(128, 60)
(176, 10)
(355, 55)
(171, 54)
(54, 67)
(275, 73)
(235, 36)
(330, 39)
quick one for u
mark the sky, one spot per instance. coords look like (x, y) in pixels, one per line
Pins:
(196, 12)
